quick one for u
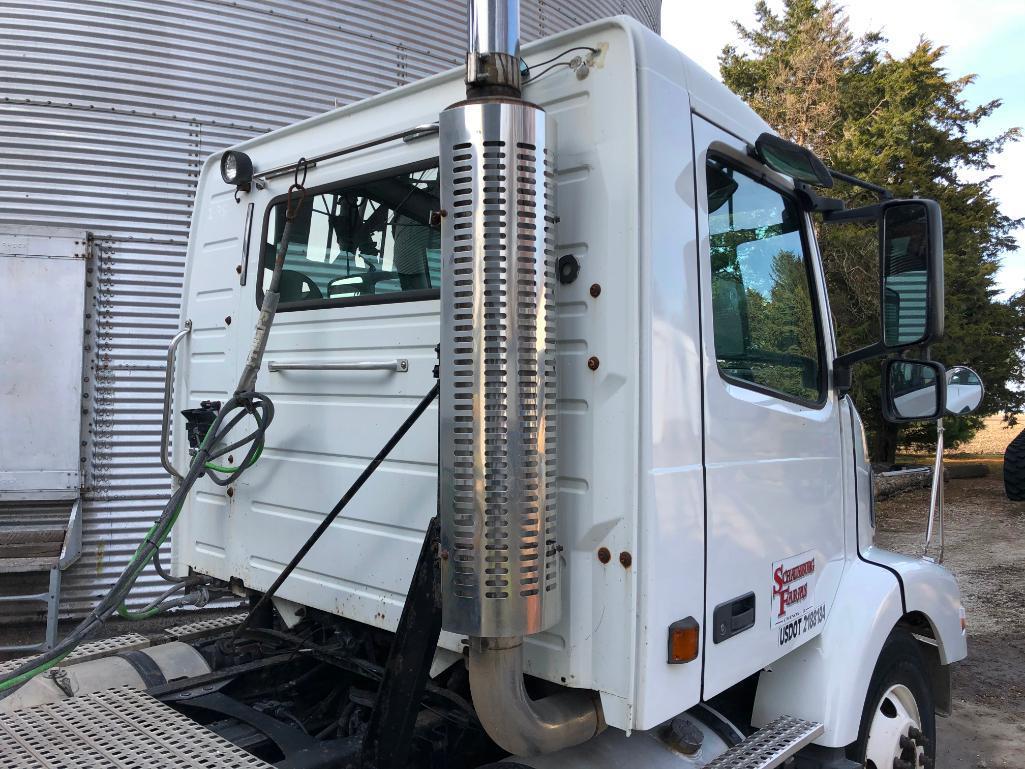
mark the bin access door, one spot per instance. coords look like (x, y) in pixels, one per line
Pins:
(42, 301)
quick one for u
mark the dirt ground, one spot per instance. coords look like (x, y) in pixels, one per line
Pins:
(985, 549)
(993, 438)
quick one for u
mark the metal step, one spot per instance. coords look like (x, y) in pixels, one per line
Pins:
(204, 626)
(87, 651)
(114, 729)
(770, 746)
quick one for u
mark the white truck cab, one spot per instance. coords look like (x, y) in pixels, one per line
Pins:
(712, 558)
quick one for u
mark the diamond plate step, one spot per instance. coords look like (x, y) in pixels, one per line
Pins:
(770, 746)
(114, 729)
(204, 626)
(87, 651)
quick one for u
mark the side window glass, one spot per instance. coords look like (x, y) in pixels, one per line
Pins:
(764, 323)
(360, 241)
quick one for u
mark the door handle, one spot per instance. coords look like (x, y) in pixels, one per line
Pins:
(399, 366)
(733, 617)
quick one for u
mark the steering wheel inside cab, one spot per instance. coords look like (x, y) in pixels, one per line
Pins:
(297, 287)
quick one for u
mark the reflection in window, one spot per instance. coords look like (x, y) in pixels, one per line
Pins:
(905, 288)
(763, 319)
(369, 239)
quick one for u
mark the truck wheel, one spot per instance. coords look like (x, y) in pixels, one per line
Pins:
(1014, 469)
(898, 724)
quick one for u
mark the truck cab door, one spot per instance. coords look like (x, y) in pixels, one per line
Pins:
(774, 504)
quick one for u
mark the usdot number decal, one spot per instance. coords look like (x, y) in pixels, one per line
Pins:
(792, 606)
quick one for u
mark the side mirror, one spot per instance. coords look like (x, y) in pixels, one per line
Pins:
(910, 278)
(911, 258)
(965, 391)
(913, 390)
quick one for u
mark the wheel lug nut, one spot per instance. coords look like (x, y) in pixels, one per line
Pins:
(907, 743)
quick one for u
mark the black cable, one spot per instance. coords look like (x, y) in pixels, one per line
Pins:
(559, 56)
(340, 505)
(545, 71)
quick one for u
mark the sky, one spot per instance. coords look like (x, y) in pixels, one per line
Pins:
(984, 37)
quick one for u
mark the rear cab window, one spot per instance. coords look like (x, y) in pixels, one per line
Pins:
(361, 241)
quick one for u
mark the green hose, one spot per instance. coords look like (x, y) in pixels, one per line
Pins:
(220, 469)
(262, 409)
(30, 674)
(123, 610)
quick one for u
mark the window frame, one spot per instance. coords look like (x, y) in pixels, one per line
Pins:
(419, 295)
(758, 176)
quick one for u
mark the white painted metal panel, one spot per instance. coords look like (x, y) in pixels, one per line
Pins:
(109, 107)
(328, 424)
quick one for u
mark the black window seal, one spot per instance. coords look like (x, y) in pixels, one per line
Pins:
(813, 289)
(419, 295)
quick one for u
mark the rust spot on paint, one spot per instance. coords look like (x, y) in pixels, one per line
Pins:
(626, 559)
(604, 555)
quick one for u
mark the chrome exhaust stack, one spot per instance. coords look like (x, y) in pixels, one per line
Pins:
(493, 49)
(500, 557)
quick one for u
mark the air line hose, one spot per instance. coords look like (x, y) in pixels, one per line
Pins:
(247, 402)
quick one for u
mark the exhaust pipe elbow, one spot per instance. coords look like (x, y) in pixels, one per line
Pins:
(518, 724)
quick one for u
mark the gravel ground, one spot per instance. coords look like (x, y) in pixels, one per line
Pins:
(985, 549)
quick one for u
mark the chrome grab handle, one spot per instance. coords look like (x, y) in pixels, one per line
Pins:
(400, 365)
(165, 425)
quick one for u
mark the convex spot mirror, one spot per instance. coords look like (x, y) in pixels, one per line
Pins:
(964, 391)
(911, 257)
(797, 162)
(913, 390)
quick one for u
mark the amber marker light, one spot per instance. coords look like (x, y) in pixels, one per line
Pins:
(683, 641)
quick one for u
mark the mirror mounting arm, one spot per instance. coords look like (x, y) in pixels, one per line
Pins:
(843, 366)
(882, 192)
(817, 204)
(854, 214)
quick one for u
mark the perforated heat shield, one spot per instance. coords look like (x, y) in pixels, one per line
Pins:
(498, 388)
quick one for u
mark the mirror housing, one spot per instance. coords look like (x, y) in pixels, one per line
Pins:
(910, 233)
(965, 391)
(797, 162)
(913, 390)
(911, 273)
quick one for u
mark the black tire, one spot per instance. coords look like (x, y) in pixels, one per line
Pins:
(1014, 469)
(900, 662)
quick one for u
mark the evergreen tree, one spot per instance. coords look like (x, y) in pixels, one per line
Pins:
(903, 123)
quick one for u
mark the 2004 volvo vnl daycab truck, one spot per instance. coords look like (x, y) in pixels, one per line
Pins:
(640, 531)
